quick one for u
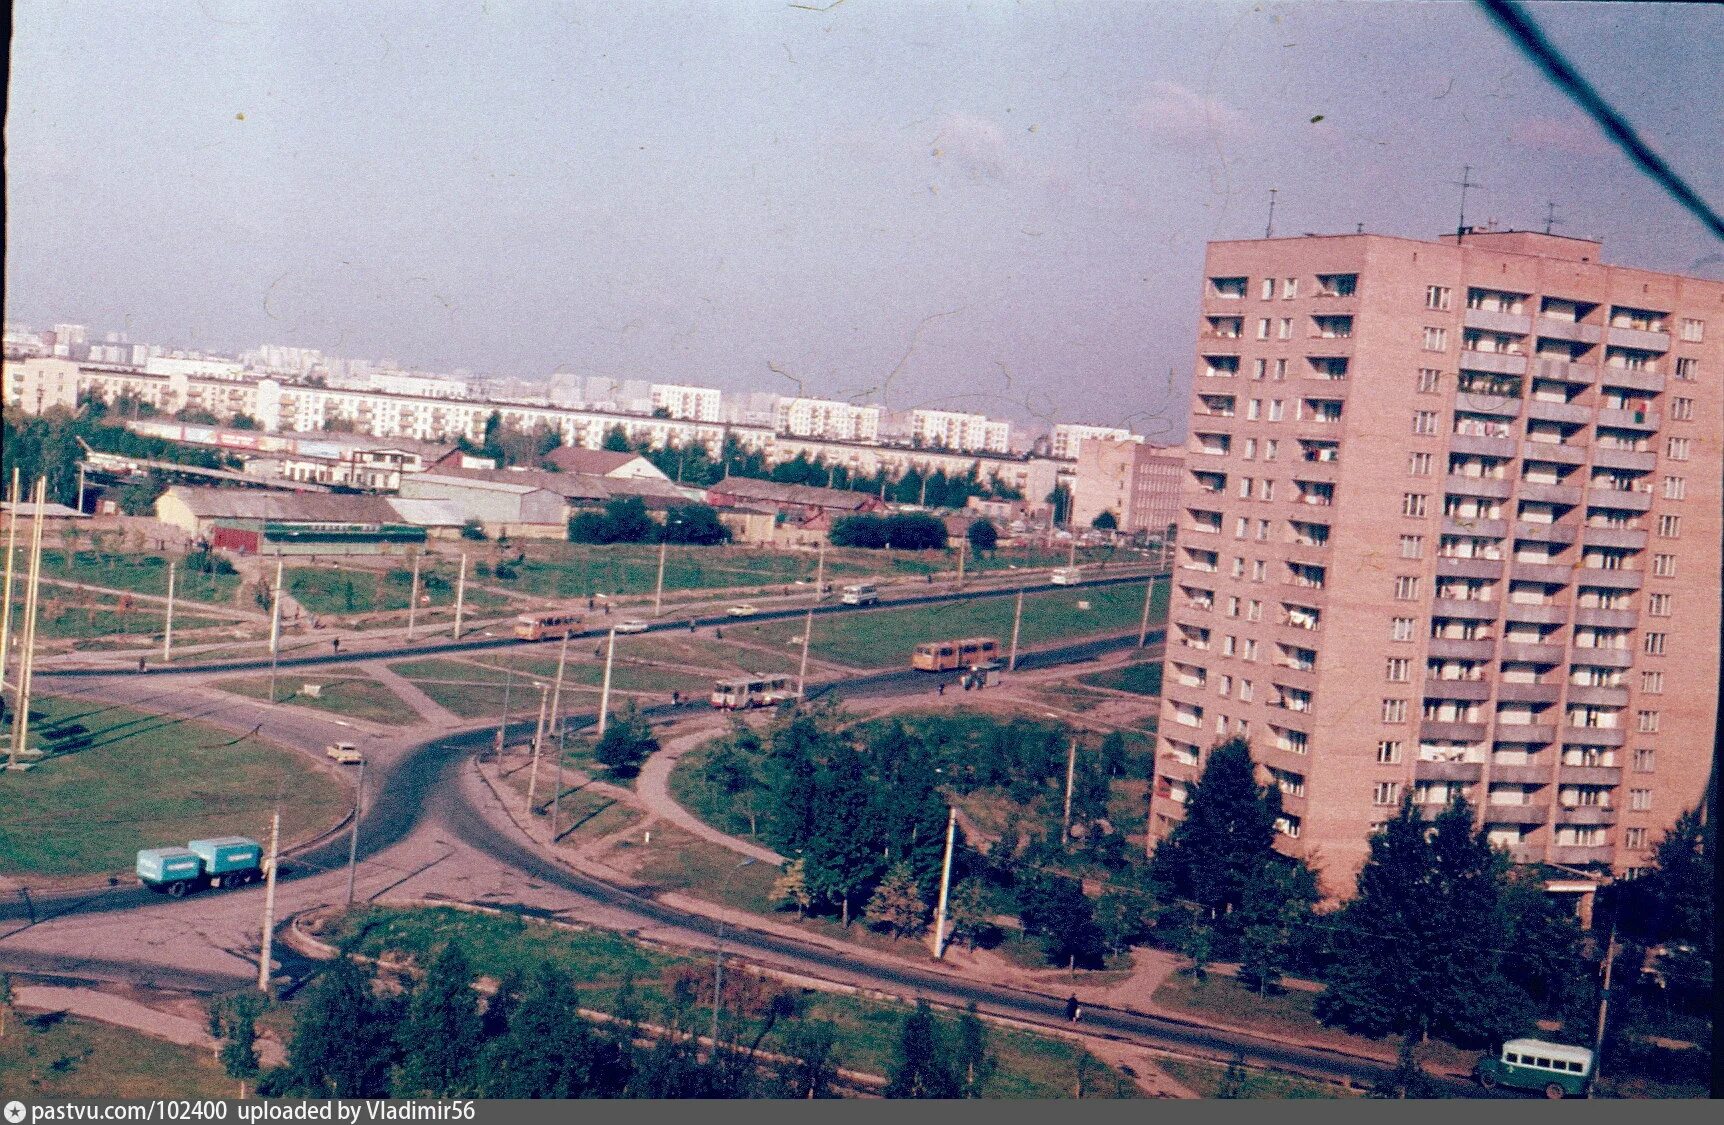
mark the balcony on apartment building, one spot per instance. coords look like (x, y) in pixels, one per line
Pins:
(1602, 657)
(1603, 579)
(1540, 410)
(1427, 769)
(1448, 567)
(1589, 775)
(1520, 773)
(1633, 460)
(1568, 494)
(1531, 734)
(1593, 736)
(1572, 855)
(1585, 816)
(1597, 696)
(1491, 320)
(1640, 339)
(1606, 618)
(1445, 730)
(1627, 538)
(1619, 499)
(1515, 814)
(1537, 613)
(1641, 421)
(1549, 573)
(1473, 691)
(1572, 331)
(1461, 648)
(1496, 441)
(1464, 609)
(1496, 363)
(1562, 532)
(1553, 452)
(1290, 676)
(1532, 652)
(1566, 371)
(1631, 378)
(1494, 403)
(1475, 526)
(1509, 691)
(1492, 488)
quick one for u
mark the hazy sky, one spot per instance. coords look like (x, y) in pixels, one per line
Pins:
(995, 206)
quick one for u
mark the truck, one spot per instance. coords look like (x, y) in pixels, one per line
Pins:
(223, 861)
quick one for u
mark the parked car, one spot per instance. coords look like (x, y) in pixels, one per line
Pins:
(741, 611)
(344, 753)
(633, 625)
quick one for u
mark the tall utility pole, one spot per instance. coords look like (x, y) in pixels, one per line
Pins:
(503, 723)
(80, 486)
(274, 628)
(263, 962)
(658, 587)
(1603, 1005)
(11, 553)
(353, 833)
(945, 884)
(1143, 625)
(1017, 622)
(413, 599)
(27, 657)
(460, 596)
(1071, 774)
(820, 572)
(557, 793)
(557, 691)
(168, 626)
(538, 741)
(1071, 552)
(802, 672)
(962, 543)
(605, 690)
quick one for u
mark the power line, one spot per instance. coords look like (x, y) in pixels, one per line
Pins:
(1526, 34)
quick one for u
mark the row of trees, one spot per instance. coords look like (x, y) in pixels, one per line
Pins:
(47, 444)
(904, 531)
(625, 520)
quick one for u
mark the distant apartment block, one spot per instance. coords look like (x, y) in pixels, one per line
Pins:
(1068, 438)
(701, 404)
(418, 383)
(824, 418)
(965, 433)
(1139, 483)
(1451, 526)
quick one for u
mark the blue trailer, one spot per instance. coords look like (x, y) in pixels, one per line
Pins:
(227, 861)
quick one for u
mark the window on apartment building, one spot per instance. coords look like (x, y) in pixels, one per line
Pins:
(1693, 331)
(1401, 629)
(1259, 570)
(1389, 752)
(1280, 370)
(1675, 488)
(1394, 710)
(1413, 504)
(1436, 339)
(1277, 410)
(1687, 369)
(1412, 546)
(1238, 567)
(1284, 328)
(1248, 651)
(1268, 291)
(1229, 646)
(1430, 380)
(1263, 330)
(1664, 566)
(1424, 422)
(1669, 527)
(1419, 465)
(1386, 793)
(1640, 800)
(1654, 644)
(1224, 685)
(1263, 531)
(1658, 605)
(1676, 449)
(1221, 725)
(1646, 721)
(1437, 296)
(1634, 839)
(1682, 410)
(1246, 484)
(1398, 670)
(1253, 409)
(1652, 683)
(1289, 289)
(1272, 446)
(1249, 451)
(1245, 693)
(1406, 588)
(1268, 490)
(1645, 760)
(1239, 526)
(1253, 610)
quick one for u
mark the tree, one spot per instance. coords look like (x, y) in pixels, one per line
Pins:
(897, 905)
(473, 530)
(810, 1066)
(1234, 1079)
(239, 1045)
(547, 1049)
(623, 520)
(975, 1061)
(983, 536)
(968, 913)
(627, 742)
(1055, 909)
(696, 524)
(1061, 499)
(791, 888)
(344, 1040)
(1106, 521)
(5, 1001)
(859, 531)
(914, 531)
(843, 854)
(1121, 920)
(617, 440)
(1418, 950)
(921, 1065)
(441, 1035)
(1227, 832)
(1278, 899)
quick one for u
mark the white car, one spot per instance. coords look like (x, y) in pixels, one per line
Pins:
(633, 625)
(741, 611)
(344, 753)
(1066, 576)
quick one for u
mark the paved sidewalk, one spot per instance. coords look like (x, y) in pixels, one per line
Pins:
(652, 793)
(429, 709)
(106, 1007)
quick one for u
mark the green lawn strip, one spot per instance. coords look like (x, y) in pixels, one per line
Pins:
(140, 573)
(342, 691)
(1287, 1014)
(475, 690)
(141, 781)
(641, 664)
(1139, 679)
(586, 815)
(52, 1056)
(1029, 1065)
(338, 590)
(62, 620)
(1206, 1080)
(883, 638)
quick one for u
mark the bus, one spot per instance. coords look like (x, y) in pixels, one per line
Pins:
(863, 593)
(1557, 1069)
(744, 692)
(943, 656)
(553, 623)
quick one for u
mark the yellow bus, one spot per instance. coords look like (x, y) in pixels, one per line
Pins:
(943, 656)
(554, 623)
(751, 691)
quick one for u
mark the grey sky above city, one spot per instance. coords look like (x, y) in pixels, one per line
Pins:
(994, 207)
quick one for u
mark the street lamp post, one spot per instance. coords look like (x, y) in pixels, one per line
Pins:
(718, 956)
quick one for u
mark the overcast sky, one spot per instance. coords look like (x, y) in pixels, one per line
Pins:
(994, 206)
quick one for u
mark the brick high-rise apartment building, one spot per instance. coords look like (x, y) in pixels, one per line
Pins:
(1450, 521)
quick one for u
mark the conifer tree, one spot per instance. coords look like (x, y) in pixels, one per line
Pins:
(922, 1065)
(441, 1035)
(897, 905)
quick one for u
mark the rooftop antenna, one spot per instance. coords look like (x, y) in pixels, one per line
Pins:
(1359, 228)
(1550, 219)
(1465, 182)
(1269, 231)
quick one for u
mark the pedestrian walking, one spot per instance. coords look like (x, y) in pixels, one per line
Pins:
(335, 644)
(691, 624)
(676, 699)
(140, 664)
(942, 690)
(1073, 1011)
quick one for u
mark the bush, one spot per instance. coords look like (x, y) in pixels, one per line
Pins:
(474, 530)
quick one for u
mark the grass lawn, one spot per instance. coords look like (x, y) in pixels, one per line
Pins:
(1139, 679)
(337, 590)
(1206, 1079)
(345, 691)
(475, 691)
(117, 780)
(1030, 1066)
(44, 1056)
(100, 616)
(140, 573)
(884, 638)
(586, 815)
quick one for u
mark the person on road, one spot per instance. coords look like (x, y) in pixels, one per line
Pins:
(140, 664)
(676, 699)
(942, 688)
(1073, 1010)
(334, 644)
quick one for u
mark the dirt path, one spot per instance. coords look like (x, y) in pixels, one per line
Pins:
(121, 1011)
(652, 794)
